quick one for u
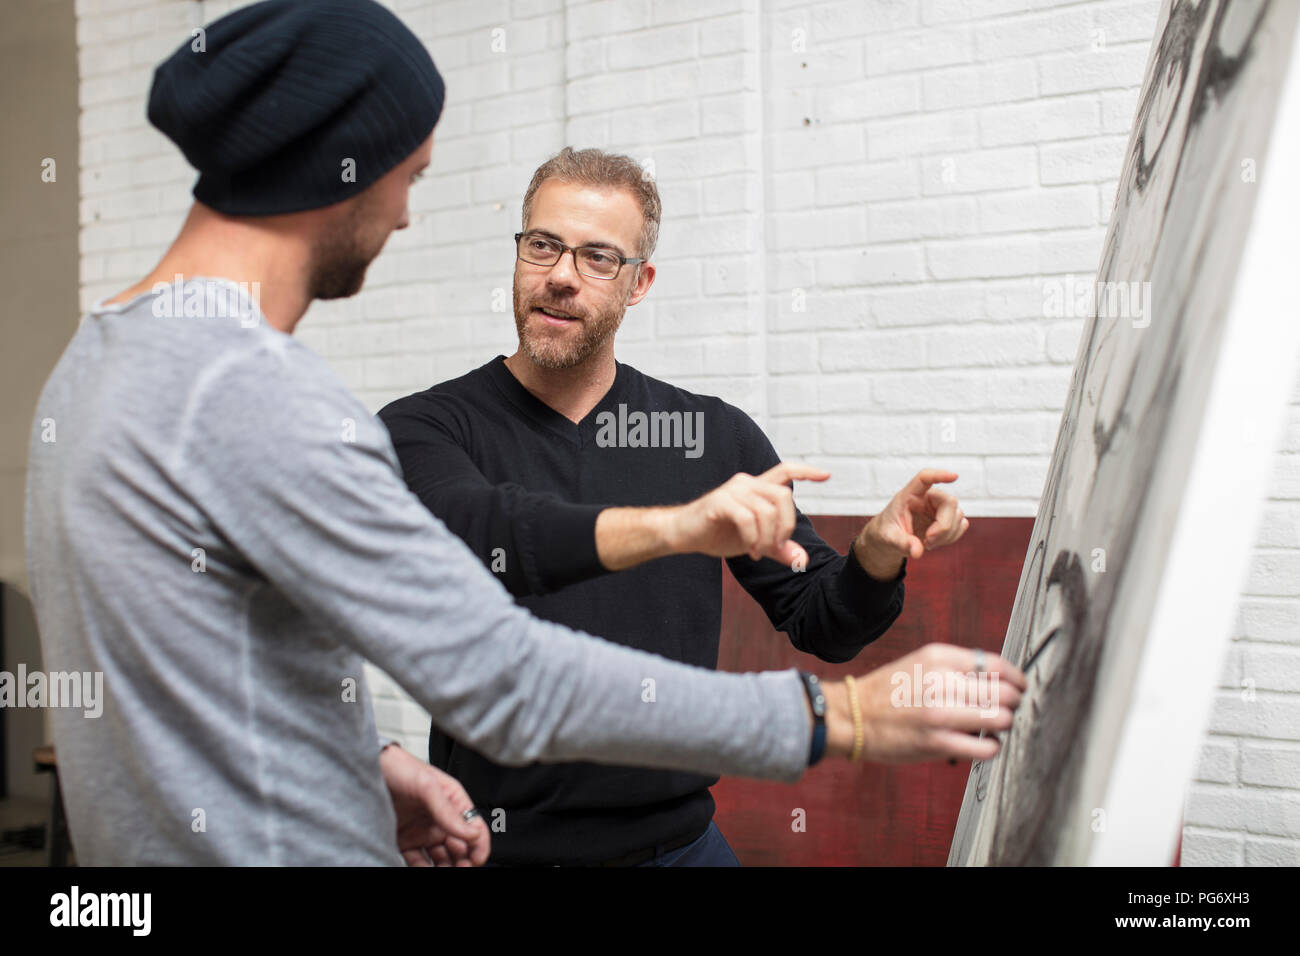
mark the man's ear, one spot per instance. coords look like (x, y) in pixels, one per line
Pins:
(645, 278)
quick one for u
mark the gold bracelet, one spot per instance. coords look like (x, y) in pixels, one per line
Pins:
(859, 739)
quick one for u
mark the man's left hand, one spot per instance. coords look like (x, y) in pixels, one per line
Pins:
(919, 518)
(431, 828)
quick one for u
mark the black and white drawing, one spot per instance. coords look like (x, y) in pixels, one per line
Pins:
(1120, 621)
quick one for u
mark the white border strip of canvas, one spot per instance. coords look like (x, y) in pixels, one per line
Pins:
(1217, 520)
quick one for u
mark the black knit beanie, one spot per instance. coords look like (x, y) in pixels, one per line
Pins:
(284, 93)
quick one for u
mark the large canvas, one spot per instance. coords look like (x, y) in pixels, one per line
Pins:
(1143, 533)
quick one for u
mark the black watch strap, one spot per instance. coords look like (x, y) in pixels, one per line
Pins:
(817, 701)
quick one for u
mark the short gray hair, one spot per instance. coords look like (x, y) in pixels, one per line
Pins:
(595, 167)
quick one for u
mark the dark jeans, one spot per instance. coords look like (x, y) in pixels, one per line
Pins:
(710, 849)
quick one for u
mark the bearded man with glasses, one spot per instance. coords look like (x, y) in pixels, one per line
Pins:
(560, 465)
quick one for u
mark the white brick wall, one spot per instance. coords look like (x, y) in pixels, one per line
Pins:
(863, 202)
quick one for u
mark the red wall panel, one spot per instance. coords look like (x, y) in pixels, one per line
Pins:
(865, 814)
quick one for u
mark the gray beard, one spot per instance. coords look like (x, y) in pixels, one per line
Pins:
(550, 355)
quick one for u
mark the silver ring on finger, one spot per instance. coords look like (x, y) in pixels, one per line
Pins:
(979, 661)
(470, 814)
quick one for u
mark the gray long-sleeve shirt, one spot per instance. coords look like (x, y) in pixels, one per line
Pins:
(219, 527)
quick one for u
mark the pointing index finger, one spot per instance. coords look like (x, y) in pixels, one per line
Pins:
(930, 476)
(788, 471)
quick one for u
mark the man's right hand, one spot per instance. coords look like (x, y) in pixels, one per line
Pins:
(748, 514)
(942, 717)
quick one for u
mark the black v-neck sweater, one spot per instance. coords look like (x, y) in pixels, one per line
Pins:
(522, 486)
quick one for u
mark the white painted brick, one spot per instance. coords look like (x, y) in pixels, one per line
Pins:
(1115, 66)
(593, 94)
(644, 48)
(1230, 676)
(1272, 666)
(1028, 389)
(1271, 764)
(829, 310)
(729, 34)
(964, 87)
(924, 49)
(1017, 433)
(537, 69)
(930, 390)
(473, 14)
(1038, 121)
(676, 278)
(730, 275)
(1069, 28)
(508, 111)
(841, 185)
(842, 394)
(874, 435)
(1060, 208)
(715, 236)
(1290, 440)
(817, 230)
(729, 113)
(874, 265)
(978, 171)
(888, 96)
(1274, 573)
(1210, 848)
(1076, 250)
(1263, 851)
(922, 219)
(1257, 714)
(975, 346)
(1014, 477)
(1013, 299)
(942, 11)
(1271, 813)
(699, 158)
(674, 11)
(1063, 340)
(794, 439)
(792, 352)
(717, 74)
(608, 17)
(942, 133)
(683, 319)
(521, 9)
(820, 147)
(585, 57)
(1082, 160)
(792, 391)
(976, 258)
(928, 304)
(738, 192)
(1120, 22)
(1118, 109)
(732, 356)
(399, 371)
(871, 351)
(831, 21)
(1268, 619)
(1218, 761)
(1285, 481)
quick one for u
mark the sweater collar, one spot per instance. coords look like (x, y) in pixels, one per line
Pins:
(538, 411)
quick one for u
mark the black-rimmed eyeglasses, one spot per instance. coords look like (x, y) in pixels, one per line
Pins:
(598, 262)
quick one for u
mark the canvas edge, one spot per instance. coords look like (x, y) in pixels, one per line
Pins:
(1194, 608)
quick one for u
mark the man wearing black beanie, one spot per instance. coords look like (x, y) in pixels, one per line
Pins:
(219, 528)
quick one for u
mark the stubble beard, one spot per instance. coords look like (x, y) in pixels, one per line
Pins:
(550, 352)
(340, 259)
